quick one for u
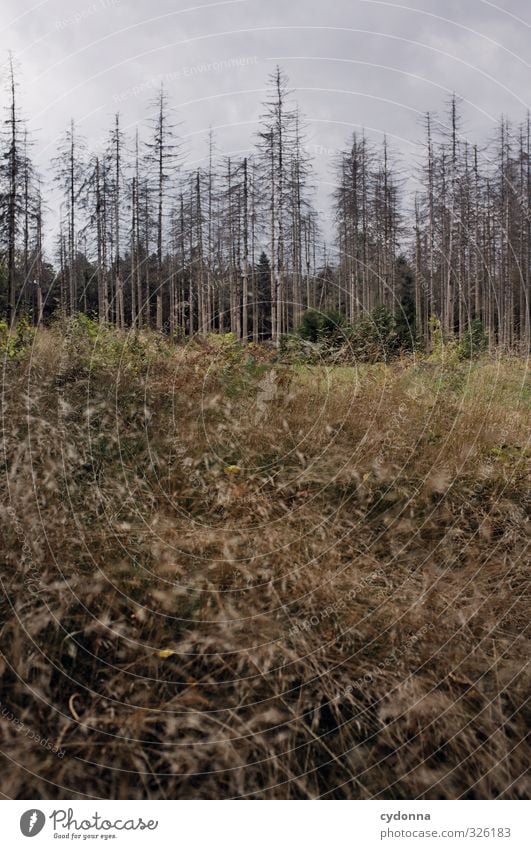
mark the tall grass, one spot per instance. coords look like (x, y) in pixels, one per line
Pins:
(228, 577)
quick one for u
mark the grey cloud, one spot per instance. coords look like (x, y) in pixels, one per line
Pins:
(353, 63)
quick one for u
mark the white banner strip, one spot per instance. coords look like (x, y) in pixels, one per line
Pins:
(253, 825)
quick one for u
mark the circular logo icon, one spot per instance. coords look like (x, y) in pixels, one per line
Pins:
(32, 822)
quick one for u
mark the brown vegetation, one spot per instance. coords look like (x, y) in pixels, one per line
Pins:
(224, 576)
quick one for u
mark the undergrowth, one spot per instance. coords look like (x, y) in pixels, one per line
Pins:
(225, 575)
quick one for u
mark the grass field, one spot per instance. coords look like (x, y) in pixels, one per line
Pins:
(228, 576)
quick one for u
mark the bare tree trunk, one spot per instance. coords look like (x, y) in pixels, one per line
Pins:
(202, 308)
(245, 275)
(12, 156)
(120, 314)
(39, 264)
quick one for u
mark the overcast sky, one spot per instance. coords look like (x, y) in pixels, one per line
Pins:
(352, 63)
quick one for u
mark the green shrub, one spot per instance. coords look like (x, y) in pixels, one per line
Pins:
(324, 328)
(374, 338)
(474, 342)
(443, 352)
(15, 341)
(298, 349)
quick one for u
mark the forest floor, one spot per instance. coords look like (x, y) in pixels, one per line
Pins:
(224, 576)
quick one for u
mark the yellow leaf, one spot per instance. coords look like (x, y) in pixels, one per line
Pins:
(165, 653)
(232, 470)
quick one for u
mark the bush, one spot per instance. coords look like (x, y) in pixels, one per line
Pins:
(310, 325)
(297, 349)
(325, 328)
(474, 342)
(443, 352)
(16, 340)
(374, 338)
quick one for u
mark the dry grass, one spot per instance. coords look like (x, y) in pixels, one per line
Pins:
(227, 577)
